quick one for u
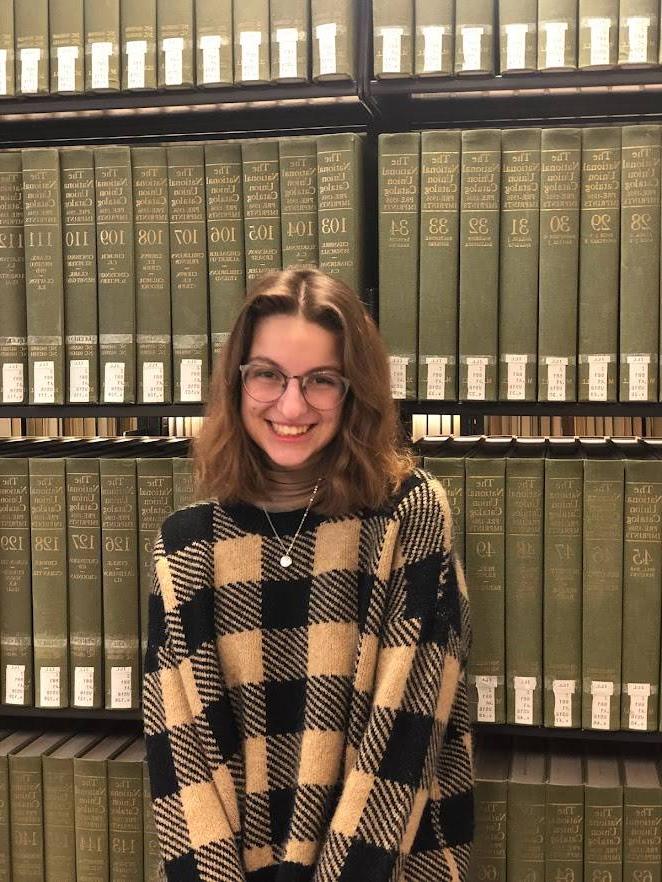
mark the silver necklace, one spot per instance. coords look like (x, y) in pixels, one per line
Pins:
(286, 560)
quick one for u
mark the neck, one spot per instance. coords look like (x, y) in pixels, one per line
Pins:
(290, 488)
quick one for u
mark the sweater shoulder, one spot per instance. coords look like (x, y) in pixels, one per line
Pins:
(188, 526)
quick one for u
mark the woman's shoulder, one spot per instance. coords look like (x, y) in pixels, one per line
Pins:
(419, 492)
(189, 525)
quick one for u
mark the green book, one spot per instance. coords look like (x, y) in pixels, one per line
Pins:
(225, 239)
(175, 34)
(183, 490)
(518, 36)
(125, 812)
(44, 275)
(152, 256)
(102, 46)
(31, 47)
(599, 256)
(602, 599)
(261, 193)
(152, 869)
(188, 271)
(488, 853)
(640, 263)
(642, 820)
(399, 212)
(67, 46)
(138, 32)
(213, 42)
(7, 57)
(15, 583)
(638, 37)
(13, 342)
(340, 203)
(119, 535)
(85, 596)
(479, 263)
(474, 37)
(558, 263)
(557, 35)
(525, 482)
(603, 818)
(564, 817)
(439, 239)
(59, 818)
(48, 514)
(290, 26)
(116, 274)
(562, 584)
(598, 33)
(525, 825)
(9, 744)
(434, 41)
(334, 28)
(518, 263)
(392, 38)
(450, 472)
(298, 201)
(80, 275)
(251, 41)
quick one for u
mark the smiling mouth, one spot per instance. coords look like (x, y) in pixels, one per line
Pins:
(286, 431)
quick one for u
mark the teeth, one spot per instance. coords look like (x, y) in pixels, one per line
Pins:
(289, 430)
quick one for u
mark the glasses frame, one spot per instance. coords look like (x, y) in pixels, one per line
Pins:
(285, 382)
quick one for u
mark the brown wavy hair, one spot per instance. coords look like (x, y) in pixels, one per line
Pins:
(367, 458)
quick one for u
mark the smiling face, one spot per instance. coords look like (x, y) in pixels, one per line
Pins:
(295, 346)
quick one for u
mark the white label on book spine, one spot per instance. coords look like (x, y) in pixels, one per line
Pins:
(191, 379)
(15, 684)
(392, 49)
(476, 378)
(563, 691)
(637, 27)
(173, 52)
(599, 40)
(250, 42)
(639, 694)
(486, 689)
(66, 68)
(556, 368)
(472, 41)
(113, 377)
(516, 46)
(30, 59)
(210, 46)
(49, 686)
(12, 383)
(516, 376)
(436, 387)
(433, 45)
(136, 53)
(638, 377)
(598, 369)
(120, 688)
(101, 53)
(84, 687)
(398, 366)
(153, 382)
(326, 38)
(601, 692)
(79, 380)
(524, 689)
(3, 71)
(555, 32)
(287, 39)
(44, 382)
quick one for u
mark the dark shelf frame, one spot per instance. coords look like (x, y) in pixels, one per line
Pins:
(485, 731)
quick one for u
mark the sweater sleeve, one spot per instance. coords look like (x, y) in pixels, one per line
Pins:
(194, 806)
(414, 663)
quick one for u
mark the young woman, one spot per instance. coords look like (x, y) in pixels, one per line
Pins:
(304, 696)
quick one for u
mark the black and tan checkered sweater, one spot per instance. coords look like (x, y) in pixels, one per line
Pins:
(310, 723)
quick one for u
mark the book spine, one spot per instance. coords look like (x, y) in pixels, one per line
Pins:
(7, 56)
(642, 821)
(15, 583)
(518, 37)
(603, 833)
(152, 256)
(333, 27)
(474, 37)
(225, 239)
(638, 34)
(138, 23)
(439, 238)
(44, 276)
(251, 41)
(183, 492)
(26, 820)
(488, 853)
(80, 275)
(479, 263)
(450, 473)
(399, 212)
(564, 831)
(119, 533)
(31, 55)
(599, 263)
(102, 46)
(49, 582)
(525, 832)
(125, 820)
(298, 201)
(188, 271)
(116, 274)
(5, 827)
(261, 192)
(598, 33)
(151, 851)
(213, 42)
(85, 598)
(290, 25)
(518, 264)
(91, 820)
(434, 40)
(392, 38)
(14, 341)
(59, 829)
(67, 46)
(175, 30)
(558, 263)
(557, 34)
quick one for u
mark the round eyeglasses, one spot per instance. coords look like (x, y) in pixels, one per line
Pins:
(322, 390)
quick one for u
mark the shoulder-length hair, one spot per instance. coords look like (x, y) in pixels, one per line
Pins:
(367, 459)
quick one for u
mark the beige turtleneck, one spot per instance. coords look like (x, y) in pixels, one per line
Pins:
(289, 489)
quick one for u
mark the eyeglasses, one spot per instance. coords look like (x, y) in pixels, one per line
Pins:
(322, 390)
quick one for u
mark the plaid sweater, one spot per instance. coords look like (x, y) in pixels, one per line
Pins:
(310, 724)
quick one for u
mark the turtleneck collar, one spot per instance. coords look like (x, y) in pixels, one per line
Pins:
(289, 489)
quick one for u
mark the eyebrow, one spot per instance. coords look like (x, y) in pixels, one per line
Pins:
(321, 367)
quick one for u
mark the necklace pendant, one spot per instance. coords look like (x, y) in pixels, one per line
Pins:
(285, 560)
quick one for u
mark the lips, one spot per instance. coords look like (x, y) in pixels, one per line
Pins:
(285, 430)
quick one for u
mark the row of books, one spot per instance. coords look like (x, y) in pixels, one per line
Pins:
(76, 535)
(537, 426)
(120, 266)
(69, 47)
(431, 38)
(566, 814)
(521, 264)
(76, 806)
(562, 545)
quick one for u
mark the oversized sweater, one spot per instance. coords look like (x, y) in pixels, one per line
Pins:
(310, 723)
